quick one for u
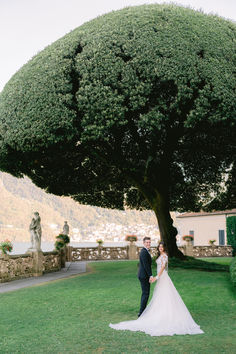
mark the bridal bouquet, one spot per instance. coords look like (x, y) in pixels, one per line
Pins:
(6, 246)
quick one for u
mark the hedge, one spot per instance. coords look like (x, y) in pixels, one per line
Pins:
(231, 232)
(233, 271)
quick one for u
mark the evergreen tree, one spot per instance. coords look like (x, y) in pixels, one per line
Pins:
(135, 108)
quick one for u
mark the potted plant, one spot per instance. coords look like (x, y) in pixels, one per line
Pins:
(187, 238)
(131, 238)
(100, 242)
(61, 241)
(211, 242)
(5, 247)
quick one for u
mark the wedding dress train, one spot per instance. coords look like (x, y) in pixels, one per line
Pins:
(166, 314)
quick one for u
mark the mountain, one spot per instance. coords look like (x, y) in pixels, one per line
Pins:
(20, 198)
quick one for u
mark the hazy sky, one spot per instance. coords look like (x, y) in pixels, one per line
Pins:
(27, 26)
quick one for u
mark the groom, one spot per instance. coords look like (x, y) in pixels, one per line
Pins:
(145, 273)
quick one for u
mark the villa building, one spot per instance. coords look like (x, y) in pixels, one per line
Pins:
(203, 227)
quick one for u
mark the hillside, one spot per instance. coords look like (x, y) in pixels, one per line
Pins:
(20, 198)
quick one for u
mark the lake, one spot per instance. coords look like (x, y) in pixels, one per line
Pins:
(21, 247)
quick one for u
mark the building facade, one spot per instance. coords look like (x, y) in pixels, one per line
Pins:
(203, 227)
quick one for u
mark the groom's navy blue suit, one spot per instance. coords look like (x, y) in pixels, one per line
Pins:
(144, 273)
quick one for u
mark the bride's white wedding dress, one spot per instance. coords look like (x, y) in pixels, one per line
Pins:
(166, 314)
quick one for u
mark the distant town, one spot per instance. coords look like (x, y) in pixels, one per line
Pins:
(109, 232)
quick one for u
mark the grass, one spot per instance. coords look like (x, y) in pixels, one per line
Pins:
(208, 264)
(218, 260)
(72, 315)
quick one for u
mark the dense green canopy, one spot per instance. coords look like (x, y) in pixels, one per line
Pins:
(136, 107)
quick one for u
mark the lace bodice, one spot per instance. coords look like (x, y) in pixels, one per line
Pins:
(162, 260)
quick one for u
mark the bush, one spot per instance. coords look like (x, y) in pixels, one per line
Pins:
(61, 241)
(6, 246)
(233, 271)
(231, 232)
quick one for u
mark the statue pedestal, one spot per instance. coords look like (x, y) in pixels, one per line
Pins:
(68, 253)
(63, 256)
(100, 251)
(189, 249)
(32, 250)
(37, 262)
(132, 251)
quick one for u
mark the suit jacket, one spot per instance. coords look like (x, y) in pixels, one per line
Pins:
(145, 264)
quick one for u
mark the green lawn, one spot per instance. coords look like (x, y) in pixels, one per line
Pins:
(219, 260)
(72, 315)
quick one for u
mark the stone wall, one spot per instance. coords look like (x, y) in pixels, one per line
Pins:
(212, 251)
(28, 265)
(52, 262)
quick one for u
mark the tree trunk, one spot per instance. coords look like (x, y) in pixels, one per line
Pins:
(167, 231)
(159, 202)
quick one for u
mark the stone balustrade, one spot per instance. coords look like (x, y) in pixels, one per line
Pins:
(75, 254)
(200, 251)
(132, 252)
(28, 265)
(212, 251)
(152, 251)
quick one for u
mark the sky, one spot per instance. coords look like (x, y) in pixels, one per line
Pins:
(28, 26)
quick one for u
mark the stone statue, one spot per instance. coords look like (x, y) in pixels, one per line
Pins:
(66, 229)
(35, 233)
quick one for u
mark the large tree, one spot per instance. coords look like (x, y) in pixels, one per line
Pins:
(133, 109)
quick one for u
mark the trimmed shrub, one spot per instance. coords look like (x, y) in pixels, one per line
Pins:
(130, 110)
(101, 106)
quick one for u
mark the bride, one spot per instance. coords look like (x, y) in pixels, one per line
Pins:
(166, 313)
